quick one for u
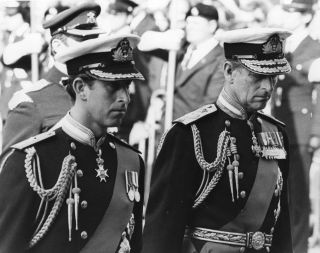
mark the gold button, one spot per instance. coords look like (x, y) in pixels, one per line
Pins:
(79, 173)
(268, 249)
(299, 67)
(282, 77)
(243, 194)
(84, 235)
(73, 145)
(276, 192)
(304, 110)
(112, 145)
(271, 230)
(84, 204)
(241, 174)
(242, 249)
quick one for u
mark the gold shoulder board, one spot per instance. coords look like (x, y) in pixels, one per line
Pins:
(197, 114)
(33, 140)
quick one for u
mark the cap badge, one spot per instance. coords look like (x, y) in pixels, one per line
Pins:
(123, 51)
(273, 45)
(195, 11)
(91, 17)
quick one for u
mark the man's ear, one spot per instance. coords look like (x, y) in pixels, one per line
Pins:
(227, 69)
(57, 45)
(80, 88)
(307, 18)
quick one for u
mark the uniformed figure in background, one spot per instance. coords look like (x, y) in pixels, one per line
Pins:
(220, 178)
(199, 75)
(37, 108)
(295, 102)
(78, 188)
(15, 74)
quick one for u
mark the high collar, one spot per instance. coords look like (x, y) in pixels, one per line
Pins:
(80, 133)
(227, 103)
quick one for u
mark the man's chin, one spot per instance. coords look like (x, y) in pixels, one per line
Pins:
(115, 122)
(257, 106)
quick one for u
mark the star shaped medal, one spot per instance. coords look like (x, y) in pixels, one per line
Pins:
(101, 172)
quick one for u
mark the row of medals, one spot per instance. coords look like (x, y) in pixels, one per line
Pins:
(132, 181)
(269, 145)
(132, 185)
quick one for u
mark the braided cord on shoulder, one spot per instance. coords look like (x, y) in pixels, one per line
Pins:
(58, 191)
(33, 181)
(216, 166)
(222, 141)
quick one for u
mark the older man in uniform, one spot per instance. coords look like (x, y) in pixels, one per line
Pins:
(220, 177)
(78, 188)
(36, 109)
(295, 102)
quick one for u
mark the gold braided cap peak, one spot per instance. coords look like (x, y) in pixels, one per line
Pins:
(197, 114)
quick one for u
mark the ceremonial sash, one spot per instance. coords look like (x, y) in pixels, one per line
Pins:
(107, 236)
(254, 212)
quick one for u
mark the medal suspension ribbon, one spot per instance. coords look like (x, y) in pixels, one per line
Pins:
(57, 192)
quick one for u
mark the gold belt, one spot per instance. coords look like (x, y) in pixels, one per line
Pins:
(256, 240)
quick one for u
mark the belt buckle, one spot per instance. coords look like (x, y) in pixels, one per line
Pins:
(257, 240)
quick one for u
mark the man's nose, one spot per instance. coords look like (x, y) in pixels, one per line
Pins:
(123, 95)
(267, 84)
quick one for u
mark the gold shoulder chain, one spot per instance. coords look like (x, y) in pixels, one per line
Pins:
(57, 192)
(216, 166)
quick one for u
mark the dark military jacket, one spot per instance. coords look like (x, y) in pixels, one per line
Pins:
(177, 176)
(20, 203)
(294, 100)
(36, 111)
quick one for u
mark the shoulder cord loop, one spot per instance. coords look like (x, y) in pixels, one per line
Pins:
(216, 166)
(58, 191)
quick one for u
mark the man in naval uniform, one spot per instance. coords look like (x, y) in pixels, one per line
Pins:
(77, 188)
(296, 102)
(220, 177)
(36, 109)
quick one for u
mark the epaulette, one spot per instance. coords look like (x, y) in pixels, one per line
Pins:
(196, 115)
(20, 96)
(270, 118)
(33, 140)
(123, 142)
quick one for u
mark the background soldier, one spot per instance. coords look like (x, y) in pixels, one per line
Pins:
(222, 171)
(295, 103)
(78, 188)
(199, 76)
(36, 109)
